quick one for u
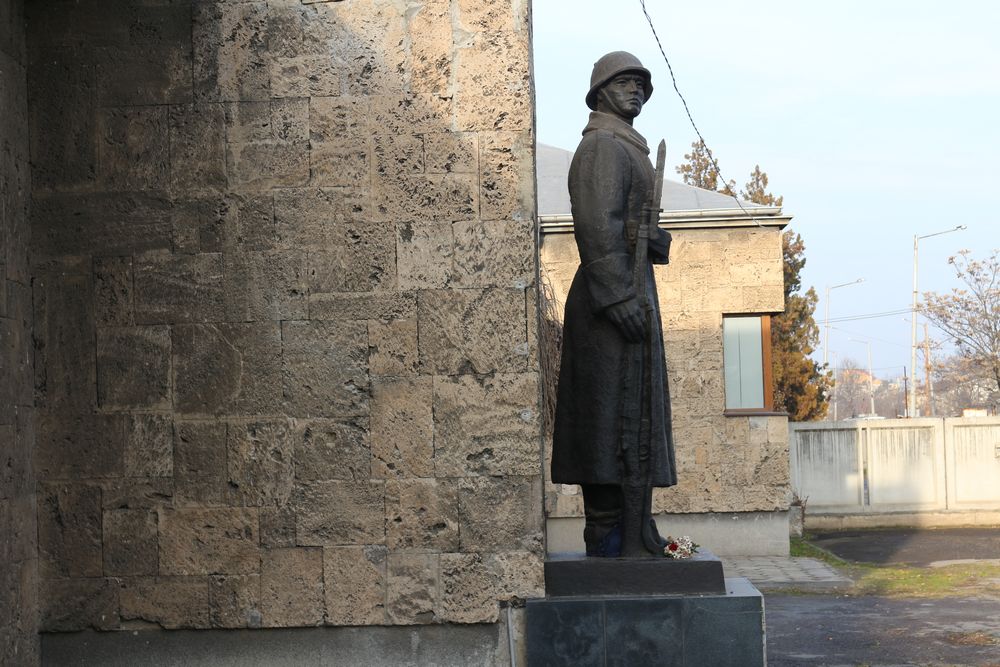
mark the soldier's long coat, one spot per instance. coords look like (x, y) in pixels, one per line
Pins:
(610, 179)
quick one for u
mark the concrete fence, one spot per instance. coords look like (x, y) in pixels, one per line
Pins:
(896, 465)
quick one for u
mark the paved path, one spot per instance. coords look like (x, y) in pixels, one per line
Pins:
(833, 630)
(912, 546)
(775, 573)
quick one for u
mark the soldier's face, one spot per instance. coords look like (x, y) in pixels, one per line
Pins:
(624, 95)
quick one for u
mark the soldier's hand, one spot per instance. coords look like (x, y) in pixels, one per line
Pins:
(630, 319)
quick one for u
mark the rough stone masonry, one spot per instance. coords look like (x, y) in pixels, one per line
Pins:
(283, 265)
(18, 547)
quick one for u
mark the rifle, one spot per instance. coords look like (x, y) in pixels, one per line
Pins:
(639, 536)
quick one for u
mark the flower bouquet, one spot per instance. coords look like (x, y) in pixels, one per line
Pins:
(682, 547)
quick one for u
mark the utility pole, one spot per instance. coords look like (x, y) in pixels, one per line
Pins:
(912, 405)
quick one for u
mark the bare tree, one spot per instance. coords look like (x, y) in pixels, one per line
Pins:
(970, 316)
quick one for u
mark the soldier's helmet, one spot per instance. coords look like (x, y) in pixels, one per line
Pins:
(610, 66)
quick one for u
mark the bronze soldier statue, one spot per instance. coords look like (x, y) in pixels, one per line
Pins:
(612, 427)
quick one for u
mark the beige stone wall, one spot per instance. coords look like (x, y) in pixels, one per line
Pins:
(283, 259)
(18, 553)
(724, 464)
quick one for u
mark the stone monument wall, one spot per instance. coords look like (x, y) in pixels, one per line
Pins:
(18, 552)
(725, 464)
(284, 263)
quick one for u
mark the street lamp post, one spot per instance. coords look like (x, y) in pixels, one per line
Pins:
(826, 321)
(911, 408)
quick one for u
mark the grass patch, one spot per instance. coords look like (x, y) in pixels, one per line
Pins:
(966, 580)
(951, 581)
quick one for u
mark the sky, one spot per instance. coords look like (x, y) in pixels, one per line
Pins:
(876, 120)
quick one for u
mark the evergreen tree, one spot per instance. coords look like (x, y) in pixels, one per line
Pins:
(801, 386)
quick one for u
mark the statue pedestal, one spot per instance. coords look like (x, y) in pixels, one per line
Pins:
(576, 574)
(656, 618)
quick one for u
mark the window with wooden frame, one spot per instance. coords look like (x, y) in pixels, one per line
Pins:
(746, 357)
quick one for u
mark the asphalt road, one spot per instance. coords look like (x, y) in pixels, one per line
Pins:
(808, 630)
(912, 546)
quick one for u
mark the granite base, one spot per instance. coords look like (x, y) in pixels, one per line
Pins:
(576, 574)
(722, 630)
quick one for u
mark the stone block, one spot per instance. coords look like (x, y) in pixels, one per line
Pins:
(411, 114)
(133, 367)
(200, 463)
(318, 218)
(451, 152)
(69, 605)
(473, 331)
(371, 48)
(324, 368)
(397, 154)
(259, 461)
(344, 306)
(421, 515)
(402, 427)
(170, 602)
(291, 587)
(392, 347)
(468, 590)
(130, 544)
(230, 52)
(285, 119)
(424, 255)
(488, 17)
(135, 74)
(62, 97)
(116, 223)
(149, 448)
(203, 223)
(171, 289)
(519, 574)
(494, 254)
(305, 76)
(197, 147)
(267, 164)
(355, 580)
(480, 64)
(77, 447)
(250, 222)
(114, 295)
(412, 588)
(230, 368)
(435, 197)
(486, 425)
(137, 493)
(345, 161)
(265, 286)
(69, 531)
(277, 527)
(360, 257)
(507, 189)
(327, 449)
(476, 112)
(337, 513)
(500, 514)
(65, 366)
(134, 149)
(431, 50)
(208, 541)
(234, 601)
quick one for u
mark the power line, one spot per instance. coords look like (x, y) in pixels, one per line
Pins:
(869, 316)
(673, 79)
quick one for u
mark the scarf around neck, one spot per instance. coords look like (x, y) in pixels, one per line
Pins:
(605, 121)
